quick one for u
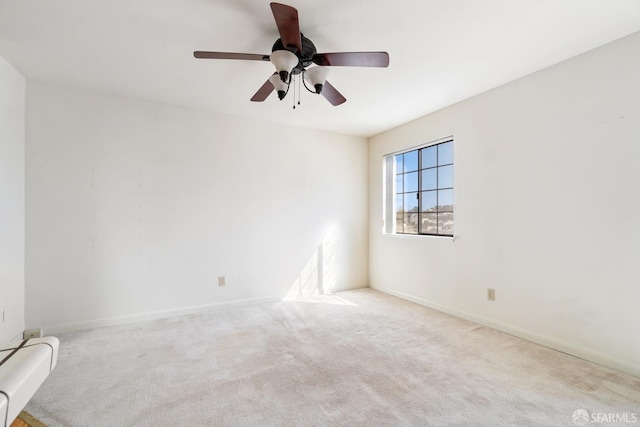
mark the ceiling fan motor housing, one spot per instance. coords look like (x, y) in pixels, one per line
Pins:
(305, 57)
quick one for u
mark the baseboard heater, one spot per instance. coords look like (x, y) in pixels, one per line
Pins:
(24, 365)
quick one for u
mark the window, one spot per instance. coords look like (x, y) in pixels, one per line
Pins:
(423, 190)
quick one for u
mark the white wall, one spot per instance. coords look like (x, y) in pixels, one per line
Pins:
(135, 207)
(547, 181)
(12, 146)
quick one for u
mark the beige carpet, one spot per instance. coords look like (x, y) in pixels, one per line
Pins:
(360, 358)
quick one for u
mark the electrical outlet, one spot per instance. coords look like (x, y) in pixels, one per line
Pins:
(221, 281)
(32, 333)
(491, 294)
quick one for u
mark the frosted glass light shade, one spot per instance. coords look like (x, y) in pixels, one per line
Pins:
(279, 85)
(284, 61)
(317, 76)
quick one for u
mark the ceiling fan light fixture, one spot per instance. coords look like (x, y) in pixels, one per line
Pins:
(317, 76)
(284, 61)
(279, 85)
(292, 53)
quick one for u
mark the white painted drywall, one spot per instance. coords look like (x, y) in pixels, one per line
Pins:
(12, 146)
(547, 178)
(136, 207)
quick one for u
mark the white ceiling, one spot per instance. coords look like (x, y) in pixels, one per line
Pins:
(441, 51)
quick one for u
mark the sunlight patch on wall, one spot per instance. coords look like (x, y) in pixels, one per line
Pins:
(317, 279)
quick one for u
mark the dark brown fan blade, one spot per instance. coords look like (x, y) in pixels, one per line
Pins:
(263, 92)
(332, 94)
(287, 22)
(353, 59)
(230, 55)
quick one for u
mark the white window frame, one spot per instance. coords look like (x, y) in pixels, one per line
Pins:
(390, 191)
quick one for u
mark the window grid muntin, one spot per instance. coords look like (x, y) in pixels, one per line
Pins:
(438, 213)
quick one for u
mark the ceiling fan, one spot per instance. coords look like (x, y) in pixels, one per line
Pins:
(293, 54)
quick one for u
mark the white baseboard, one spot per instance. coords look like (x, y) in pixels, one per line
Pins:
(349, 287)
(555, 344)
(154, 315)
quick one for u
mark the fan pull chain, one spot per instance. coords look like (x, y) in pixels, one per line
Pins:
(294, 92)
(299, 87)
